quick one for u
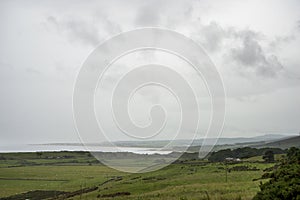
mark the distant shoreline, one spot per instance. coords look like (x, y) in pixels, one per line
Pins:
(45, 148)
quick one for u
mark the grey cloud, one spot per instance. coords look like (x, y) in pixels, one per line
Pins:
(86, 31)
(251, 55)
(4, 65)
(77, 30)
(214, 35)
(243, 47)
(6, 68)
(288, 38)
(250, 52)
(210, 36)
(32, 71)
(149, 14)
(170, 14)
(282, 40)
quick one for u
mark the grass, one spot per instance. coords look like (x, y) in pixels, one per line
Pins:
(65, 178)
(187, 180)
(277, 157)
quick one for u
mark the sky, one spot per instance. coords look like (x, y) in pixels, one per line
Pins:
(253, 44)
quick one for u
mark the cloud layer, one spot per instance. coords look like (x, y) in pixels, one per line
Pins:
(255, 48)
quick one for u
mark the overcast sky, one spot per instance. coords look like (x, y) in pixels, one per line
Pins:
(254, 44)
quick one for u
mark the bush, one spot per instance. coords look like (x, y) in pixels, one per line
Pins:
(284, 183)
(269, 156)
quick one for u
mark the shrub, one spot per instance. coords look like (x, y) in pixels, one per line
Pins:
(284, 183)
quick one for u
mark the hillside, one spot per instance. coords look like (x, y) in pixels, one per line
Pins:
(283, 143)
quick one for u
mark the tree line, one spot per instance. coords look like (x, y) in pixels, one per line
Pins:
(245, 152)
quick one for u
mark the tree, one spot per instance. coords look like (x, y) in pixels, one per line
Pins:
(220, 156)
(269, 156)
(39, 154)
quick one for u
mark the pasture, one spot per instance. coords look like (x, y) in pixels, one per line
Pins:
(81, 177)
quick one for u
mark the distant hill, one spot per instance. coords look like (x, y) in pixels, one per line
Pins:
(282, 143)
(237, 140)
(269, 137)
(198, 142)
(268, 140)
(264, 141)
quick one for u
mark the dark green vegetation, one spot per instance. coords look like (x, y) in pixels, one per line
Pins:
(284, 183)
(269, 156)
(46, 158)
(35, 195)
(245, 152)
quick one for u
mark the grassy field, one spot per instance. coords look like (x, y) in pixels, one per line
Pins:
(20, 173)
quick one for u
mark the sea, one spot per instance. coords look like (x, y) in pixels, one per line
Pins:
(6, 148)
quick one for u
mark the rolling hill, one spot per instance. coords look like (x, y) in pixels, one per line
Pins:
(282, 143)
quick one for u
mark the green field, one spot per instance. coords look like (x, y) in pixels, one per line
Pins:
(77, 171)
